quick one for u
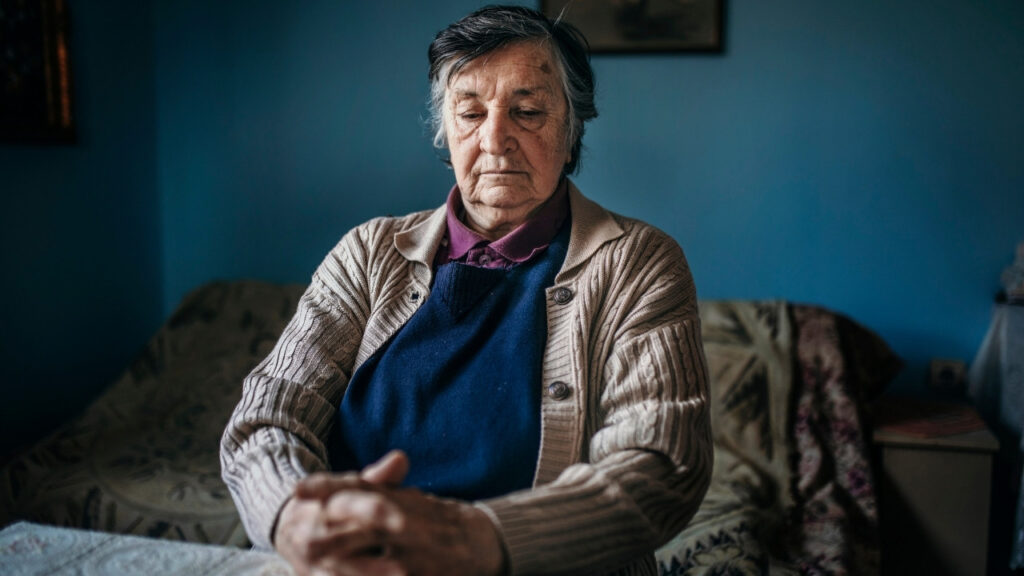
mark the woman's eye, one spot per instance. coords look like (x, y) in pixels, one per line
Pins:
(470, 115)
(530, 118)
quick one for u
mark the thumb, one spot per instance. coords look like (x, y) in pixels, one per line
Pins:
(389, 470)
(323, 485)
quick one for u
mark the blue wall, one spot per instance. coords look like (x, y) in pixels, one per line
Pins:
(79, 226)
(867, 156)
(282, 127)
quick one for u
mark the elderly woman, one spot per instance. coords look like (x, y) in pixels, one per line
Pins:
(513, 383)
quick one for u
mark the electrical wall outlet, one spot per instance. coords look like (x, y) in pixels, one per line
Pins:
(947, 374)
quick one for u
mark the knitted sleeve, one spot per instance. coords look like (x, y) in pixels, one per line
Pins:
(647, 453)
(276, 435)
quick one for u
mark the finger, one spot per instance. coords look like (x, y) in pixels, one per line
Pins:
(359, 566)
(321, 486)
(331, 567)
(349, 541)
(377, 565)
(389, 470)
(370, 510)
(300, 521)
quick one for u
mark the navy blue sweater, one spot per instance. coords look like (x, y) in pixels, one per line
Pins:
(458, 387)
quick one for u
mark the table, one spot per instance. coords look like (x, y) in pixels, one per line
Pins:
(28, 549)
(934, 497)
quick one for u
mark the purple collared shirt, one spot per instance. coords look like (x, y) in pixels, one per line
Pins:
(518, 246)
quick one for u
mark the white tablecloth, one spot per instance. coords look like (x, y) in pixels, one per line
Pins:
(997, 387)
(36, 550)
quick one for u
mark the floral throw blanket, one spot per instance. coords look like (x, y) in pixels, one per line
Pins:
(791, 492)
(792, 489)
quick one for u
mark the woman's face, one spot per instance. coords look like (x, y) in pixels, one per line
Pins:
(505, 119)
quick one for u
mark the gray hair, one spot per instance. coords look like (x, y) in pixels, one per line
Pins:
(494, 27)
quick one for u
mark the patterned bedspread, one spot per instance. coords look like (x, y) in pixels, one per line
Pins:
(792, 490)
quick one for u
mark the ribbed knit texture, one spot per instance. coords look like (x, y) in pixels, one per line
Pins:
(625, 455)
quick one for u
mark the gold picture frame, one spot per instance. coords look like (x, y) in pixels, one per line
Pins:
(619, 26)
(35, 72)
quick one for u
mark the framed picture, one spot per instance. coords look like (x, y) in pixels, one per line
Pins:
(644, 25)
(35, 72)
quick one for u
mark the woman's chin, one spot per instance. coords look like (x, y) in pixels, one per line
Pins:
(508, 196)
(494, 222)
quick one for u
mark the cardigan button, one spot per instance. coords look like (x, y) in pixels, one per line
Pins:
(559, 390)
(563, 295)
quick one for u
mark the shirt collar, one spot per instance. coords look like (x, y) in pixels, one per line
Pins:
(519, 245)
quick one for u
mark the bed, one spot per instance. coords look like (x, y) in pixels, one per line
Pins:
(792, 491)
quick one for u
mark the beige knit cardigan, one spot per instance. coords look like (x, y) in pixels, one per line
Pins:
(625, 455)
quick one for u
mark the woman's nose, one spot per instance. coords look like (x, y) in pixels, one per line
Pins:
(497, 135)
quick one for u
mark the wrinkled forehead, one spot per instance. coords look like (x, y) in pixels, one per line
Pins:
(521, 66)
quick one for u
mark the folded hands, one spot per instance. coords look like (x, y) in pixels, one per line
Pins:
(366, 523)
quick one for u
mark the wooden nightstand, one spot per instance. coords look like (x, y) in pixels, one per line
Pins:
(934, 498)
